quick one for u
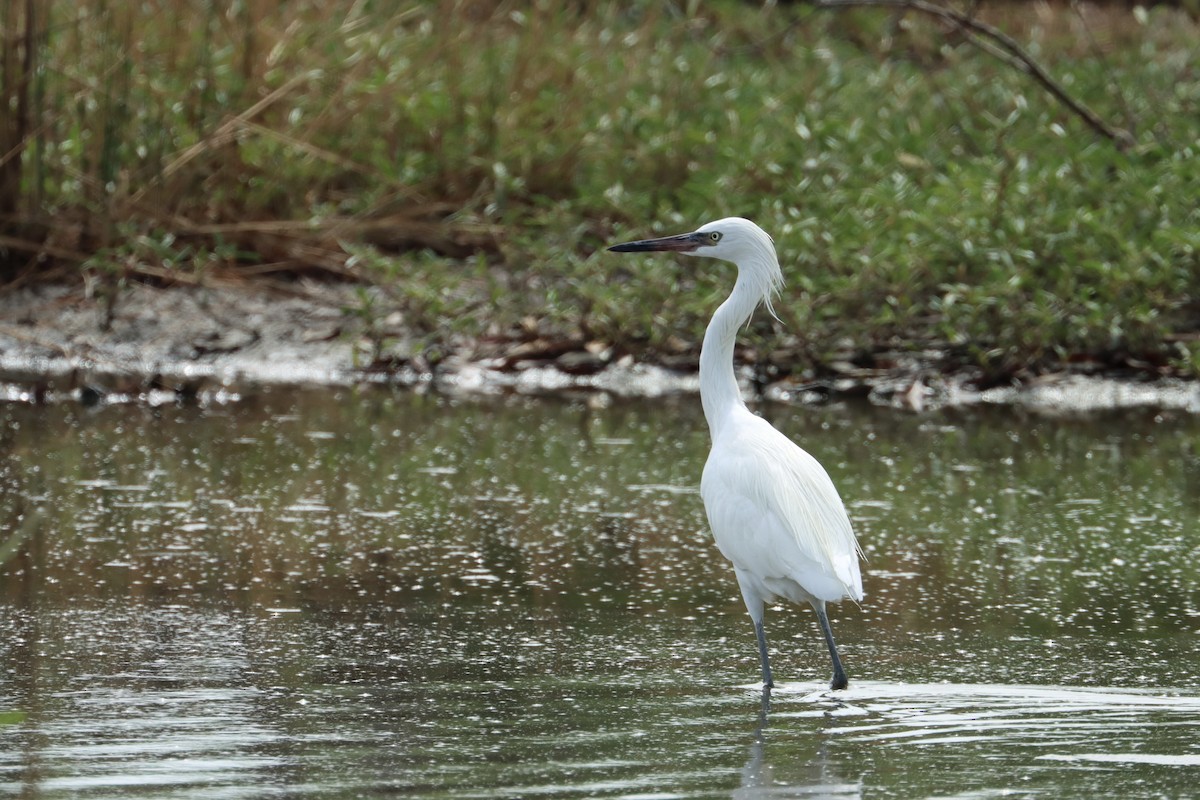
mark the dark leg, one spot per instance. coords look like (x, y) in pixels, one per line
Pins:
(762, 654)
(763, 712)
(839, 675)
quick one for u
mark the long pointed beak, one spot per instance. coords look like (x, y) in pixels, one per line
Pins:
(682, 243)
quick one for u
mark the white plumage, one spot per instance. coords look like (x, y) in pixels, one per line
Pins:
(774, 512)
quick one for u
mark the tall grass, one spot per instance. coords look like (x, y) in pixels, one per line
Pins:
(472, 157)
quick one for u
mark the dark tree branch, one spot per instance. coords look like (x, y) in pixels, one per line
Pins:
(1003, 46)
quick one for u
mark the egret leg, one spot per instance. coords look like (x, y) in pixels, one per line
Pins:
(763, 712)
(762, 654)
(839, 674)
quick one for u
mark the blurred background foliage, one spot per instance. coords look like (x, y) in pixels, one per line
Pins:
(470, 159)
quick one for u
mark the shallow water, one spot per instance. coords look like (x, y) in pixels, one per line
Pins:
(370, 594)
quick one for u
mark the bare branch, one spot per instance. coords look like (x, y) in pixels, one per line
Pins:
(1001, 45)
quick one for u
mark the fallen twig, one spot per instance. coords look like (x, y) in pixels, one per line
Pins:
(41, 248)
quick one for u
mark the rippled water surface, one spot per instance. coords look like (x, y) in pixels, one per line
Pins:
(375, 594)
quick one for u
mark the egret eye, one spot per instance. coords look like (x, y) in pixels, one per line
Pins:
(714, 237)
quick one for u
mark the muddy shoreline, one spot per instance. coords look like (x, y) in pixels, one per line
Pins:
(217, 343)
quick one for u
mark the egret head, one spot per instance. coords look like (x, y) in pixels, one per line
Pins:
(730, 239)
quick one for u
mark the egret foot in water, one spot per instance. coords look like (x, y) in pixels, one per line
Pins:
(840, 681)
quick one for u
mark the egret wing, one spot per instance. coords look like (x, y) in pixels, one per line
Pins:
(776, 514)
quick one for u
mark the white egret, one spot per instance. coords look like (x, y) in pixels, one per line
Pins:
(773, 509)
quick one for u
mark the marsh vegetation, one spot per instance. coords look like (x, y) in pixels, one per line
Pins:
(467, 160)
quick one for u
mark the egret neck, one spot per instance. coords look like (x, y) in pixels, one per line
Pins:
(719, 392)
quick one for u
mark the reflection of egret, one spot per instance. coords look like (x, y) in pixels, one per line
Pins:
(773, 509)
(812, 777)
